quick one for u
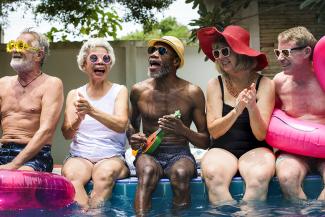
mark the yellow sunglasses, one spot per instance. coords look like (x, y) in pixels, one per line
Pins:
(20, 46)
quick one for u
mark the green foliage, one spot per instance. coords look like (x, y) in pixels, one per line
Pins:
(91, 18)
(167, 26)
(97, 18)
(88, 17)
(219, 16)
(224, 10)
(222, 14)
(144, 11)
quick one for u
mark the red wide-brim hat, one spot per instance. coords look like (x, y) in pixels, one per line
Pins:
(236, 37)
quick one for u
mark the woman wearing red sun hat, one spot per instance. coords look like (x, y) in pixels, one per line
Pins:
(240, 102)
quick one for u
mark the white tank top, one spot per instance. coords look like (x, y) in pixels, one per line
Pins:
(93, 140)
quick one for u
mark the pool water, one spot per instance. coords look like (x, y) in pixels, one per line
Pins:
(121, 203)
(123, 207)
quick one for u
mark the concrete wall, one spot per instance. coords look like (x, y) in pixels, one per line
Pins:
(131, 67)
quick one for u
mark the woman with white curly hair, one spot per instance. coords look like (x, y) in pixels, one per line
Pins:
(95, 118)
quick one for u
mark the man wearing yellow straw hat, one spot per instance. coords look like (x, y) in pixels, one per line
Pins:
(153, 101)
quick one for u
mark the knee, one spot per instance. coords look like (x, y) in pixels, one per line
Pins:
(68, 175)
(289, 177)
(260, 179)
(180, 175)
(76, 180)
(106, 177)
(148, 175)
(213, 176)
(180, 179)
(148, 171)
(71, 175)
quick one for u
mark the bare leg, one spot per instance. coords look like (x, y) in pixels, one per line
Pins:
(321, 169)
(78, 171)
(180, 175)
(291, 171)
(257, 167)
(149, 173)
(105, 173)
(218, 168)
(27, 168)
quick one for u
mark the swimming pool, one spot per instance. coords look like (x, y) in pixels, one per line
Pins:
(121, 203)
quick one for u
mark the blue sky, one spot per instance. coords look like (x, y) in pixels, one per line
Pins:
(19, 20)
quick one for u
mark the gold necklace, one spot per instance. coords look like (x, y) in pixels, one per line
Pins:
(25, 85)
(235, 91)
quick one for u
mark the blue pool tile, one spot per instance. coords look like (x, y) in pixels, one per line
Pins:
(237, 187)
(312, 186)
(127, 187)
(119, 189)
(197, 188)
(160, 190)
(274, 188)
(130, 189)
(168, 191)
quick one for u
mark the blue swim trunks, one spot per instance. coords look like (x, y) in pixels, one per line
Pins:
(167, 155)
(42, 162)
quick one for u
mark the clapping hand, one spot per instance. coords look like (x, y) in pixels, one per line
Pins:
(251, 96)
(82, 106)
(246, 98)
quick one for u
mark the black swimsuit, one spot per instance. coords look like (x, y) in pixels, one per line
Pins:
(239, 139)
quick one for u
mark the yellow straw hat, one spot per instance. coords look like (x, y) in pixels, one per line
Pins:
(175, 43)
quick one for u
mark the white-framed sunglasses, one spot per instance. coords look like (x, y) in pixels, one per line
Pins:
(287, 52)
(225, 52)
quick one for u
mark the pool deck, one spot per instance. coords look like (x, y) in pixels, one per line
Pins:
(126, 187)
(312, 186)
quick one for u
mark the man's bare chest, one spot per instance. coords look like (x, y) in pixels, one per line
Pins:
(299, 102)
(16, 103)
(155, 105)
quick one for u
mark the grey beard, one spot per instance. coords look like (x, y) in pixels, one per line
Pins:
(22, 65)
(165, 69)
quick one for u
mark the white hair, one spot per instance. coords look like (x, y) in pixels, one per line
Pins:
(40, 41)
(91, 44)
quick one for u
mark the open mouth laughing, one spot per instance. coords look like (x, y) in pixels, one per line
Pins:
(154, 64)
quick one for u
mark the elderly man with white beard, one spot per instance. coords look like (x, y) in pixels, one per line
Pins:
(30, 106)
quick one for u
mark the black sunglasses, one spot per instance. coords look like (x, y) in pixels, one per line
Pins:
(225, 51)
(161, 50)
